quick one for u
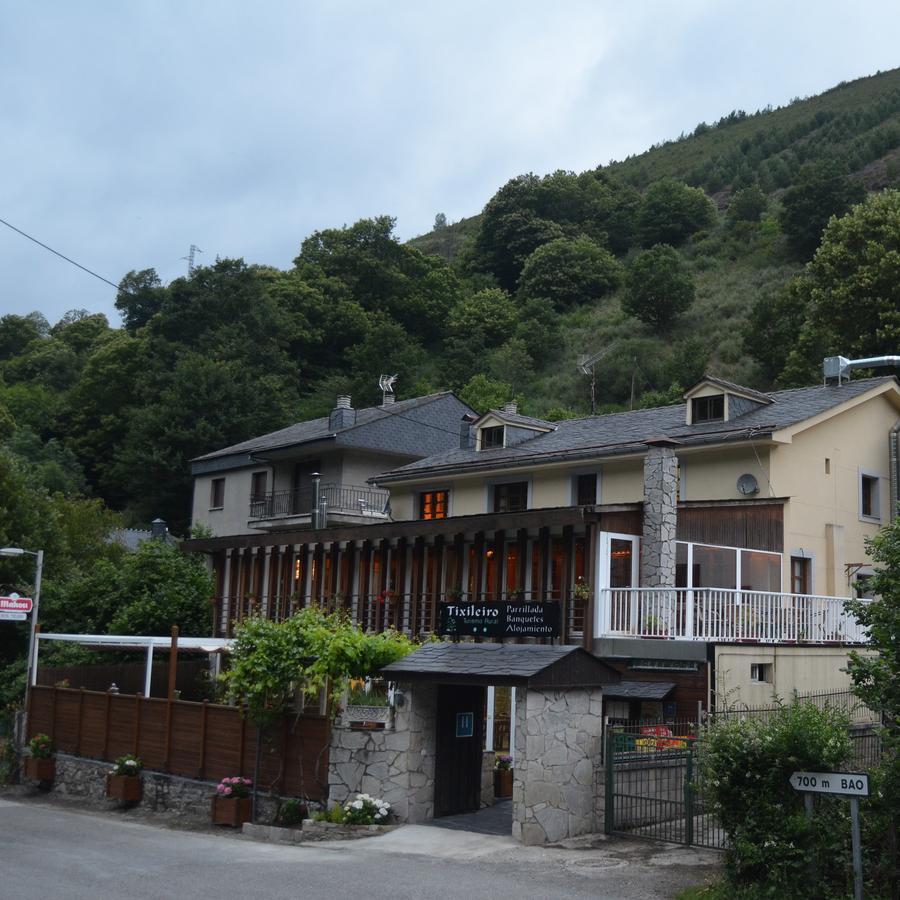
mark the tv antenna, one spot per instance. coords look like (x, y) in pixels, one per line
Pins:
(386, 383)
(190, 258)
(586, 367)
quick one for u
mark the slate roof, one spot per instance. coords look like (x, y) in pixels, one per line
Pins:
(639, 690)
(502, 664)
(519, 419)
(627, 432)
(731, 387)
(319, 429)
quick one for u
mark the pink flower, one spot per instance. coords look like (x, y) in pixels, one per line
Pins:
(247, 781)
(226, 791)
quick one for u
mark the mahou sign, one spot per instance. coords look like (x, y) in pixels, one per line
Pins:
(498, 620)
(16, 604)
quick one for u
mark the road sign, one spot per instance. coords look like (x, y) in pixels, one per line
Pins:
(13, 616)
(849, 784)
(16, 604)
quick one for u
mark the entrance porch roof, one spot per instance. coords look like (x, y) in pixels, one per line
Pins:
(531, 665)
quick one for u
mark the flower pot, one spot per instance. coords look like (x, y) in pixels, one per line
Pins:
(503, 782)
(40, 768)
(233, 811)
(124, 788)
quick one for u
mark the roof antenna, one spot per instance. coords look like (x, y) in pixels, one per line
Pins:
(386, 383)
(586, 367)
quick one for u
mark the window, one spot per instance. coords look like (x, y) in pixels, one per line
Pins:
(800, 572)
(433, 505)
(492, 437)
(761, 672)
(708, 409)
(869, 507)
(217, 493)
(510, 497)
(586, 489)
(258, 483)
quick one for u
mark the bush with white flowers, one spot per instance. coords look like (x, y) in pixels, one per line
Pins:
(366, 810)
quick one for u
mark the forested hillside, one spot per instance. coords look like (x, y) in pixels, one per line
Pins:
(701, 254)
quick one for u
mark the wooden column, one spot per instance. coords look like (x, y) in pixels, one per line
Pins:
(459, 547)
(265, 589)
(401, 608)
(417, 582)
(333, 574)
(590, 576)
(436, 588)
(383, 550)
(240, 592)
(351, 553)
(170, 693)
(522, 541)
(544, 536)
(479, 566)
(567, 581)
(499, 564)
(365, 586)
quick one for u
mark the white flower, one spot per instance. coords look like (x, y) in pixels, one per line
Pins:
(357, 804)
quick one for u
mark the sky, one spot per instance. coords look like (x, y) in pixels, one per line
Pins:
(131, 130)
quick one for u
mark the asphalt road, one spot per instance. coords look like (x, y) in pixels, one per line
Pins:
(54, 853)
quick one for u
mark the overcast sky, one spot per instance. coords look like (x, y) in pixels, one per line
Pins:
(130, 130)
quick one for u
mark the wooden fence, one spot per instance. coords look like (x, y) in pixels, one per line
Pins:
(196, 740)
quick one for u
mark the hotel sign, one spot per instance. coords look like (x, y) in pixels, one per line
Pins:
(499, 620)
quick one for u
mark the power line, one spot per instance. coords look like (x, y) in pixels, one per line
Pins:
(57, 253)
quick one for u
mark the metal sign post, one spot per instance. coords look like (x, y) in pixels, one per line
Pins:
(845, 784)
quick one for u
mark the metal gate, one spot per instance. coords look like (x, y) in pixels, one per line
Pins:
(653, 790)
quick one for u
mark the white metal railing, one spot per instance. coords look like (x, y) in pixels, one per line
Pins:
(717, 614)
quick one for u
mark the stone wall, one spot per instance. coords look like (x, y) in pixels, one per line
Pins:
(395, 764)
(558, 744)
(488, 762)
(660, 515)
(182, 799)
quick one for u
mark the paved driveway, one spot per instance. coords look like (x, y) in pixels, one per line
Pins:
(52, 851)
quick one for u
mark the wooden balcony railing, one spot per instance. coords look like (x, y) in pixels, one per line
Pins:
(345, 498)
(716, 614)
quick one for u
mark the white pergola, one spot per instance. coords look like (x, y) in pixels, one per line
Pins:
(146, 643)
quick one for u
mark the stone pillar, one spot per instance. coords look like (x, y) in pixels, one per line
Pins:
(395, 764)
(558, 739)
(488, 761)
(660, 513)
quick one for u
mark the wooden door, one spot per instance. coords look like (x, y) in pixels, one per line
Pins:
(460, 743)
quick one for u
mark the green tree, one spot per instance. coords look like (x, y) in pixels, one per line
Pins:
(658, 287)
(141, 296)
(569, 272)
(483, 393)
(489, 316)
(850, 291)
(747, 205)
(18, 332)
(822, 190)
(671, 212)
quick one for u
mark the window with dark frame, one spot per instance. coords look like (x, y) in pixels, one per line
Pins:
(761, 672)
(586, 489)
(492, 437)
(511, 497)
(217, 493)
(868, 496)
(258, 484)
(433, 505)
(800, 572)
(708, 409)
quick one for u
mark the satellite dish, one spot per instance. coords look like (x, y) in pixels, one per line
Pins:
(747, 484)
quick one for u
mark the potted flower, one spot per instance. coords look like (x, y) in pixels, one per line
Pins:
(582, 590)
(123, 783)
(231, 804)
(40, 765)
(503, 776)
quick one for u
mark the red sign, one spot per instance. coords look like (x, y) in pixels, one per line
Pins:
(16, 604)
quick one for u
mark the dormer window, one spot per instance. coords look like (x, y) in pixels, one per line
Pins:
(708, 409)
(492, 437)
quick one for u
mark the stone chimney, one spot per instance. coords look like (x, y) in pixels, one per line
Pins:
(343, 415)
(466, 435)
(389, 399)
(660, 514)
(511, 407)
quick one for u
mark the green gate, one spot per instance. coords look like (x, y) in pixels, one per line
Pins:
(653, 791)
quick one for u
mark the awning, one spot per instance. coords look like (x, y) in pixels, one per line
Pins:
(639, 690)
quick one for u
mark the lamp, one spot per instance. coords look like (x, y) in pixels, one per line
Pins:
(15, 553)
